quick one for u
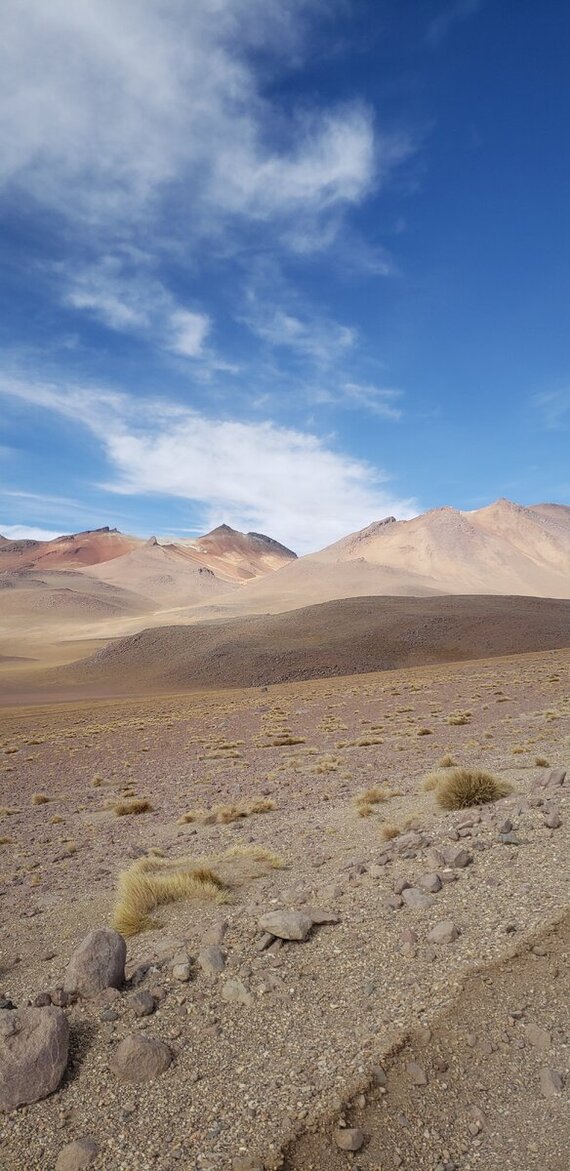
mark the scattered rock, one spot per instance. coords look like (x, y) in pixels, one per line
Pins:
(416, 1073)
(400, 885)
(319, 917)
(98, 962)
(457, 857)
(556, 776)
(142, 1003)
(33, 1054)
(430, 882)
(379, 1076)
(286, 924)
(182, 968)
(552, 821)
(538, 1037)
(212, 960)
(266, 940)
(214, 936)
(235, 992)
(444, 932)
(77, 1154)
(551, 1082)
(139, 1058)
(510, 839)
(417, 899)
(247, 1163)
(349, 1138)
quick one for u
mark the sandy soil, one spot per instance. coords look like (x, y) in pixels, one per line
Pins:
(272, 1078)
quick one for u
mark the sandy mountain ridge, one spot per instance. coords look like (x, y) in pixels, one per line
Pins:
(102, 583)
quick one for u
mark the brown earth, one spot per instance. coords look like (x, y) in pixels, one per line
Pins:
(339, 638)
(273, 1077)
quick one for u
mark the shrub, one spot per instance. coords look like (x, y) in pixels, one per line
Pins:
(137, 805)
(152, 882)
(458, 788)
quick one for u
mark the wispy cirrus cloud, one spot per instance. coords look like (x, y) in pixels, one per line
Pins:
(454, 12)
(553, 407)
(111, 111)
(257, 475)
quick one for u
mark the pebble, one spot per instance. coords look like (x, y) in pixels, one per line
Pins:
(457, 857)
(538, 1037)
(349, 1138)
(552, 821)
(77, 1155)
(430, 882)
(416, 1073)
(235, 992)
(510, 839)
(142, 1003)
(139, 1058)
(417, 899)
(551, 1082)
(444, 932)
(212, 960)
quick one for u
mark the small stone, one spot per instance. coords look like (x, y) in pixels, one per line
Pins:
(408, 936)
(444, 932)
(417, 899)
(42, 999)
(214, 936)
(392, 902)
(77, 1154)
(349, 1138)
(430, 882)
(247, 1163)
(142, 1003)
(139, 1058)
(556, 776)
(62, 999)
(235, 992)
(98, 962)
(182, 971)
(320, 916)
(538, 1037)
(510, 839)
(552, 821)
(109, 1015)
(33, 1054)
(212, 960)
(416, 1073)
(265, 941)
(286, 924)
(435, 859)
(551, 1082)
(379, 1076)
(506, 827)
(457, 857)
(400, 885)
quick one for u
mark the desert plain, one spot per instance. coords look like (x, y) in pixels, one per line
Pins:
(192, 777)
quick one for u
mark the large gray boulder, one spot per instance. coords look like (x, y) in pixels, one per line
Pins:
(34, 1044)
(98, 963)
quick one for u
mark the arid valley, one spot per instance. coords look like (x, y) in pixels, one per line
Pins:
(324, 801)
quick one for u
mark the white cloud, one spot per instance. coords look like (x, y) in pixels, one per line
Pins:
(27, 533)
(355, 396)
(189, 332)
(454, 12)
(317, 338)
(554, 407)
(292, 484)
(134, 302)
(107, 109)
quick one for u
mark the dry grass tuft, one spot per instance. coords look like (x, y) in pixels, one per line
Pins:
(224, 814)
(424, 732)
(458, 788)
(389, 831)
(459, 718)
(447, 761)
(257, 854)
(152, 882)
(40, 799)
(542, 762)
(126, 807)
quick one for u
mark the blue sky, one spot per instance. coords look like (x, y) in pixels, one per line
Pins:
(288, 264)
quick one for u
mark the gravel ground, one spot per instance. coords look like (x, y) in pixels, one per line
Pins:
(249, 1079)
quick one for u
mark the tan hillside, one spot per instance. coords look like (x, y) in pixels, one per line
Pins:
(167, 575)
(67, 552)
